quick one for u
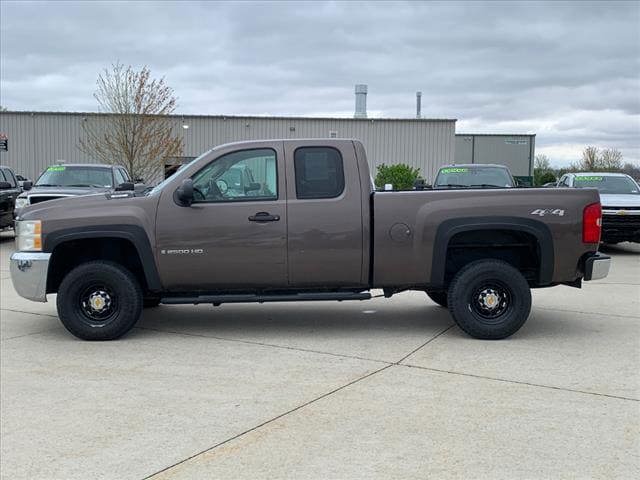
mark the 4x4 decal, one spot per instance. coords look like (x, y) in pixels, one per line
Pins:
(548, 211)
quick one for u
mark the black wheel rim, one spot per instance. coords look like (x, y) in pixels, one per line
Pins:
(491, 301)
(98, 305)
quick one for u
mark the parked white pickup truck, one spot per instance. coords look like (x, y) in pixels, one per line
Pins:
(620, 198)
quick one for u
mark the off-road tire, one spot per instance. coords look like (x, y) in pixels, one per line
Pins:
(472, 283)
(101, 276)
(439, 296)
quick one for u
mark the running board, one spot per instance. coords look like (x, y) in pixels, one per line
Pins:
(261, 298)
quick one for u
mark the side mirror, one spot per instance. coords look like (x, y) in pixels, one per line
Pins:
(28, 185)
(184, 194)
(139, 180)
(252, 187)
(5, 185)
(125, 186)
(419, 184)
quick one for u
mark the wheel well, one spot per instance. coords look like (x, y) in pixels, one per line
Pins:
(72, 253)
(518, 248)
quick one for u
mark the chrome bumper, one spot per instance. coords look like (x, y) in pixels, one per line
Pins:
(29, 274)
(597, 267)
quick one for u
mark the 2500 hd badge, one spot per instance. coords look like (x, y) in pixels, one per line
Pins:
(182, 251)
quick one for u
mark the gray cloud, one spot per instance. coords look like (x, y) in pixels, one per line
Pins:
(569, 72)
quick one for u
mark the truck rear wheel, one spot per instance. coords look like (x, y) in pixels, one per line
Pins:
(99, 300)
(489, 299)
(439, 296)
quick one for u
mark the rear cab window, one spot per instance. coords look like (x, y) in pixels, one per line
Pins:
(319, 172)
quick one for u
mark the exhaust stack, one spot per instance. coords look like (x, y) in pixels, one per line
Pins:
(361, 101)
(418, 104)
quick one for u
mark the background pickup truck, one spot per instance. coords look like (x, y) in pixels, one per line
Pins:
(71, 180)
(309, 227)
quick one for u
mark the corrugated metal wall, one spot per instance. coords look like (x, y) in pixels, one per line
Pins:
(515, 151)
(38, 139)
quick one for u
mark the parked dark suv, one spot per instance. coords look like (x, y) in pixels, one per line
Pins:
(9, 190)
(72, 180)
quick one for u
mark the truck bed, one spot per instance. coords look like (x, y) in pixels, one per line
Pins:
(411, 230)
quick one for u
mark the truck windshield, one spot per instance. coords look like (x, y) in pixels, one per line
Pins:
(607, 184)
(473, 177)
(63, 176)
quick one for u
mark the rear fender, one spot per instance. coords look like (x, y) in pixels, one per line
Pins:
(449, 228)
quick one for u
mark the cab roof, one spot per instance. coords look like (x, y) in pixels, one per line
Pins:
(599, 174)
(95, 165)
(474, 165)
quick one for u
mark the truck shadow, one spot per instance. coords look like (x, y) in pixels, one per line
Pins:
(624, 248)
(297, 320)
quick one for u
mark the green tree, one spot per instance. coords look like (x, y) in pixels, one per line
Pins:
(401, 176)
(542, 171)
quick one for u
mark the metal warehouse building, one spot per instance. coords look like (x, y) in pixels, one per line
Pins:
(514, 151)
(39, 139)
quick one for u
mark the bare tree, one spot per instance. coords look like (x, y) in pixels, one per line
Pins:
(611, 159)
(631, 170)
(137, 133)
(589, 159)
(3, 109)
(542, 162)
(593, 159)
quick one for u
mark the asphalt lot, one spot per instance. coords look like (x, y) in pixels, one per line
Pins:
(378, 389)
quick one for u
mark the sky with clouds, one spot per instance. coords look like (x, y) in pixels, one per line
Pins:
(569, 72)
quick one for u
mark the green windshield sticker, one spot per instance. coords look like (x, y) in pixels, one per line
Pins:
(454, 170)
(588, 179)
(56, 169)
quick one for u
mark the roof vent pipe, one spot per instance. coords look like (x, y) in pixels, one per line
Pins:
(361, 101)
(418, 104)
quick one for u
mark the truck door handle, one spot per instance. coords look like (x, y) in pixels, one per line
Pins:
(264, 217)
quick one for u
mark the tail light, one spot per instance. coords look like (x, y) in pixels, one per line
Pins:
(592, 223)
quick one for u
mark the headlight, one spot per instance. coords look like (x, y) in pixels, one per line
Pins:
(22, 202)
(29, 235)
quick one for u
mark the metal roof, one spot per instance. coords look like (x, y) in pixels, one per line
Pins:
(261, 117)
(495, 134)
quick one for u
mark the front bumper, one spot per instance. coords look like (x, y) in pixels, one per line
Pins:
(597, 266)
(29, 274)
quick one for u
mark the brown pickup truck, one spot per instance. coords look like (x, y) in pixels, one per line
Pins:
(296, 220)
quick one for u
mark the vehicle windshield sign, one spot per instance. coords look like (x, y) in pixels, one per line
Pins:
(607, 184)
(588, 179)
(68, 176)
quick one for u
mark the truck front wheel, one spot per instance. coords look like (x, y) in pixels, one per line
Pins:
(489, 299)
(99, 300)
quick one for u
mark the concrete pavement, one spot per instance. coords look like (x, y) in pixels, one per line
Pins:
(378, 389)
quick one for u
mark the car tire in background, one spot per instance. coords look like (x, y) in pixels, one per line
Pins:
(439, 296)
(99, 300)
(489, 299)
